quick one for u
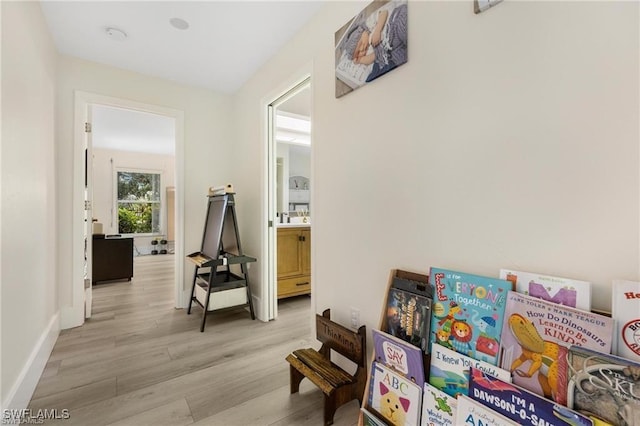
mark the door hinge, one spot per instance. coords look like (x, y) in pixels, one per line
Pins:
(270, 224)
(87, 127)
(87, 205)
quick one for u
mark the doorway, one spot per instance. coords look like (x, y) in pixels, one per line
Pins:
(85, 104)
(289, 187)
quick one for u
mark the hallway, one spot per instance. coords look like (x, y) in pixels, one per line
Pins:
(139, 361)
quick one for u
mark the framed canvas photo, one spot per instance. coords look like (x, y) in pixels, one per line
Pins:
(371, 44)
(482, 5)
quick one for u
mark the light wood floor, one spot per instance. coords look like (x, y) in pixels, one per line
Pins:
(139, 361)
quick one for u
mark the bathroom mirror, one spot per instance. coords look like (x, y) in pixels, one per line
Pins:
(293, 151)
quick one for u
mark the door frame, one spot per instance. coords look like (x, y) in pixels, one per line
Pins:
(88, 215)
(270, 269)
(74, 316)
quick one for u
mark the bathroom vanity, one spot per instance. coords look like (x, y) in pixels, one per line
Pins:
(294, 260)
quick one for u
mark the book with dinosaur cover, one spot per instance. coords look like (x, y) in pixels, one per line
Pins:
(438, 408)
(625, 310)
(449, 370)
(564, 291)
(408, 316)
(519, 404)
(604, 386)
(399, 355)
(468, 311)
(472, 413)
(536, 337)
(394, 396)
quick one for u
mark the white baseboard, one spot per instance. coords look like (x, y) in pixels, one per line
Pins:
(72, 316)
(186, 295)
(257, 309)
(22, 390)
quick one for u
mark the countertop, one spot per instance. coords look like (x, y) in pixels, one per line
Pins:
(293, 225)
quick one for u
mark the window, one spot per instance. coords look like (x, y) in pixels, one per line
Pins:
(138, 202)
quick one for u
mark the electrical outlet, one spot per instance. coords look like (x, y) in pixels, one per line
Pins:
(355, 318)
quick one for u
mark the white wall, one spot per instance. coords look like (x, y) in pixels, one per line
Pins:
(104, 181)
(296, 161)
(207, 133)
(509, 139)
(300, 162)
(29, 286)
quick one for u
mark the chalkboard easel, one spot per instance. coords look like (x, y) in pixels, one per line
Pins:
(221, 277)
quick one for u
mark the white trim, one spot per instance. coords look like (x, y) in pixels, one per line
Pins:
(269, 303)
(22, 390)
(72, 316)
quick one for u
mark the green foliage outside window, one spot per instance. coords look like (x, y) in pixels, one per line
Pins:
(138, 203)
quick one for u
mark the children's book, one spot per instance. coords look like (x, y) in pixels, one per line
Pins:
(472, 413)
(422, 288)
(468, 311)
(394, 396)
(438, 408)
(604, 386)
(370, 419)
(519, 404)
(625, 310)
(408, 316)
(402, 357)
(536, 337)
(564, 291)
(449, 370)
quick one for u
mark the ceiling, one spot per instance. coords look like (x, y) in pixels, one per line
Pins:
(126, 130)
(226, 42)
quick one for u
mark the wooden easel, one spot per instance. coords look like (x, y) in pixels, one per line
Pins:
(221, 276)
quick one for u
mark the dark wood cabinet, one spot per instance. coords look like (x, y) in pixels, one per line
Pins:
(112, 259)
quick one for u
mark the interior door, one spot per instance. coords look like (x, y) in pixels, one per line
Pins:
(88, 215)
(277, 183)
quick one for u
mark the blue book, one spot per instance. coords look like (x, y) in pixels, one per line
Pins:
(468, 313)
(519, 404)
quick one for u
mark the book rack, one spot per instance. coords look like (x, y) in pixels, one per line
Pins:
(220, 279)
(502, 366)
(414, 282)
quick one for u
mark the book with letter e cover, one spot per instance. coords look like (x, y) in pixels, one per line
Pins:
(468, 311)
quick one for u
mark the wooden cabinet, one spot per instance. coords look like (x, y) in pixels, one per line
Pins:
(294, 261)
